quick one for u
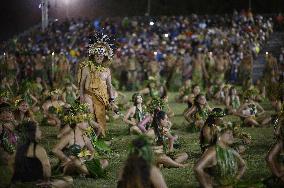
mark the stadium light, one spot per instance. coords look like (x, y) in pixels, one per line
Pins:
(44, 14)
(152, 23)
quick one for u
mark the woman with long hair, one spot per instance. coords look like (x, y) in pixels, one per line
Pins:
(220, 164)
(139, 171)
(135, 115)
(209, 132)
(165, 142)
(52, 103)
(76, 153)
(31, 161)
(198, 113)
(23, 112)
(233, 101)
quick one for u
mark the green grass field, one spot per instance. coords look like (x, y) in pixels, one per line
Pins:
(262, 138)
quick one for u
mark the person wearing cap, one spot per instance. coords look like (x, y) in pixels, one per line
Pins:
(225, 164)
(94, 78)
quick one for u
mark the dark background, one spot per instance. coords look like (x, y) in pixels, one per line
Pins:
(19, 15)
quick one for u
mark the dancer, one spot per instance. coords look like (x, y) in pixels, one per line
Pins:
(139, 170)
(135, 115)
(95, 78)
(226, 164)
(273, 157)
(198, 113)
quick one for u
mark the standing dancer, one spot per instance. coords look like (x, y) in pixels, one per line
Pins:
(95, 78)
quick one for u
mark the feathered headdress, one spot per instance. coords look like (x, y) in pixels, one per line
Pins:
(102, 44)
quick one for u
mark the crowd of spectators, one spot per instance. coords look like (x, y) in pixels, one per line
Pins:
(146, 46)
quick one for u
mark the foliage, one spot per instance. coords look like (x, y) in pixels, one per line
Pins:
(262, 138)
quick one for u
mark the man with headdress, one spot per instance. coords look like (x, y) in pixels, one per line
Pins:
(95, 78)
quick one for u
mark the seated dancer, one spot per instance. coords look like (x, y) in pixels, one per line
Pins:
(76, 153)
(27, 94)
(136, 114)
(32, 163)
(274, 157)
(184, 92)
(224, 164)
(79, 113)
(94, 78)
(155, 106)
(165, 143)
(23, 112)
(215, 90)
(69, 95)
(209, 132)
(195, 89)
(153, 90)
(252, 112)
(233, 101)
(220, 95)
(167, 107)
(8, 143)
(198, 113)
(139, 170)
(49, 107)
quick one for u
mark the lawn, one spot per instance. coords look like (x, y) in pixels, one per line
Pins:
(262, 138)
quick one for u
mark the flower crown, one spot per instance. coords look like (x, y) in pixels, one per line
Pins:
(55, 92)
(18, 101)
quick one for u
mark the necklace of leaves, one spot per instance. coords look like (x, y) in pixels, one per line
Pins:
(95, 67)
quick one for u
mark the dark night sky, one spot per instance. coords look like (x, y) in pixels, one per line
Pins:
(18, 15)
